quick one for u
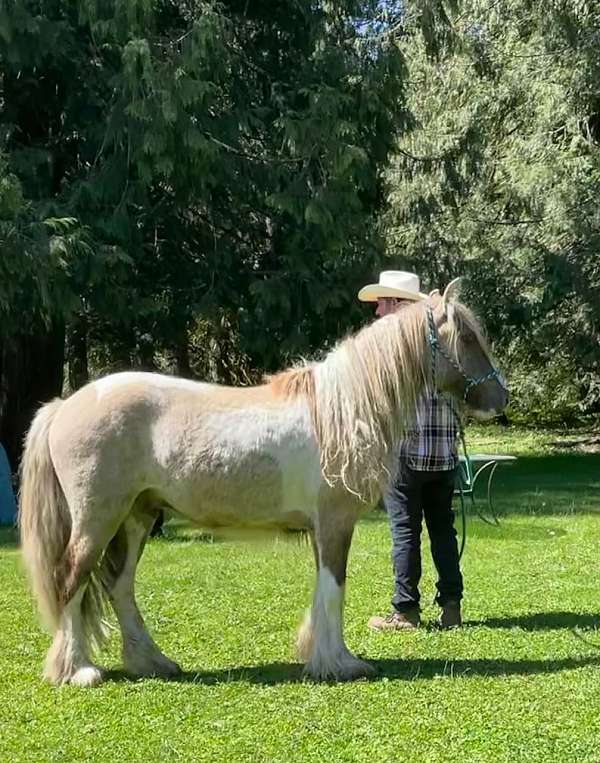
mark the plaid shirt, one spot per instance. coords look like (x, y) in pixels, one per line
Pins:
(432, 445)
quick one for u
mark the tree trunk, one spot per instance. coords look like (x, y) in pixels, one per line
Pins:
(145, 353)
(77, 352)
(182, 356)
(31, 373)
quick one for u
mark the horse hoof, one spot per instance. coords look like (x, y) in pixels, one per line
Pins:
(346, 670)
(159, 668)
(86, 677)
(169, 669)
(357, 669)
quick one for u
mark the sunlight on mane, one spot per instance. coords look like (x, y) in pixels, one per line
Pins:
(366, 395)
(363, 396)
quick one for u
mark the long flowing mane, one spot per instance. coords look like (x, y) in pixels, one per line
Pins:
(366, 392)
(363, 396)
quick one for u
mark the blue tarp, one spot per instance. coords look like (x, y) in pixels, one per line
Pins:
(8, 505)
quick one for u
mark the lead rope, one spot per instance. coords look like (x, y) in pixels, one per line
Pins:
(435, 345)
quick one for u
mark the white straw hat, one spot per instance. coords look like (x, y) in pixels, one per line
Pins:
(393, 283)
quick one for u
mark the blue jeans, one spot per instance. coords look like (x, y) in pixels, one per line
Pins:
(410, 496)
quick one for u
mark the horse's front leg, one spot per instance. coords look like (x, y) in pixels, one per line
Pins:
(320, 639)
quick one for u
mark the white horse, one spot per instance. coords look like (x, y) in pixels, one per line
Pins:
(305, 450)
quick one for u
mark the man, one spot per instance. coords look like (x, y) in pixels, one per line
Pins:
(422, 486)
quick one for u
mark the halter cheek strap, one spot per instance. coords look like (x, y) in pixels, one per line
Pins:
(437, 348)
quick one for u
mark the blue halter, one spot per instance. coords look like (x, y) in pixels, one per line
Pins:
(437, 348)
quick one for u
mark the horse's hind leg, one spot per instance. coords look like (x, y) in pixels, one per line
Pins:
(68, 660)
(321, 635)
(141, 656)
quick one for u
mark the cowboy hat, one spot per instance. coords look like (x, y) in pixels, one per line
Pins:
(393, 283)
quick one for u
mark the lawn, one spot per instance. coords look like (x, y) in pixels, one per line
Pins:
(519, 683)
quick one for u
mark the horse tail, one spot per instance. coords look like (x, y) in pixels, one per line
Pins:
(44, 518)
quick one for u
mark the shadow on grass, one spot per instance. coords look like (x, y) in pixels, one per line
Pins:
(545, 485)
(9, 537)
(407, 670)
(272, 674)
(186, 536)
(541, 621)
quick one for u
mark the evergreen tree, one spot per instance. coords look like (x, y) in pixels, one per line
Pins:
(499, 182)
(170, 162)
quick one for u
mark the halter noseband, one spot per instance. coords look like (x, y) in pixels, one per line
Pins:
(437, 348)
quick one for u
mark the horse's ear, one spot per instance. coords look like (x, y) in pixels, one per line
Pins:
(451, 292)
(434, 293)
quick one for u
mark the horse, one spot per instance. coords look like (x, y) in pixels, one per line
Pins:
(307, 449)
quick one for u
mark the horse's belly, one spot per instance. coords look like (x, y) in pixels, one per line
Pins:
(229, 517)
(255, 491)
(252, 509)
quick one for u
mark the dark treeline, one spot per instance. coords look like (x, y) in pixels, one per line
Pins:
(201, 187)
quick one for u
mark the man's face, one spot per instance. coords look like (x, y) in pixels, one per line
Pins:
(387, 305)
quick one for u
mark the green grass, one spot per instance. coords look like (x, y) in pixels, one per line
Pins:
(519, 683)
